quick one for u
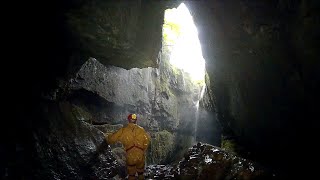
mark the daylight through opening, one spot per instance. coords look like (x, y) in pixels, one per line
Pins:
(181, 36)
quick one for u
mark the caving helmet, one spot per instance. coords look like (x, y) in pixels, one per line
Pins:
(132, 118)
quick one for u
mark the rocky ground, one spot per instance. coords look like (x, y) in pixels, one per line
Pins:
(204, 161)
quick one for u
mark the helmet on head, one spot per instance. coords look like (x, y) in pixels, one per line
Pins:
(132, 117)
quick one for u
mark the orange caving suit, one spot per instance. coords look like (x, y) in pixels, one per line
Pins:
(135, 141)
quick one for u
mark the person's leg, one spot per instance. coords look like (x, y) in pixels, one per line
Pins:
(131, 172)
(140, 169)
(140, 176)
(131, 162)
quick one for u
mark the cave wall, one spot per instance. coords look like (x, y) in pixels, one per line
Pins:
(262, 60)
(164, 99)
(126, 34)
(66, 148)
(67, 135)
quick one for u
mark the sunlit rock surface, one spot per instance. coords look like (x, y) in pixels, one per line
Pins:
(204, 161)
(164, 99)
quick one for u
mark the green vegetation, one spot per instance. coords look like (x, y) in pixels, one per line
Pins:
(228, 145)
(171, 29)
(161, 146)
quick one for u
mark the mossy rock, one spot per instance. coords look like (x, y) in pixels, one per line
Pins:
(228, 145)
(162, 144)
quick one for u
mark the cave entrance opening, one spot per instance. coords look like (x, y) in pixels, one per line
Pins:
(182, 49)
(180, 40)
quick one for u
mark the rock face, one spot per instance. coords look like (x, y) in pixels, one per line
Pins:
(66, 148)
(164, 99)
(126, 34)
(125, 91)
(204, 161)
(263, 66)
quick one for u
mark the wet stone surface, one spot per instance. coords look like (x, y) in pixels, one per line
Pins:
(204, 161)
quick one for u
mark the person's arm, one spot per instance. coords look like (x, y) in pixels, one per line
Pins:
(114, 137)
(147, 140)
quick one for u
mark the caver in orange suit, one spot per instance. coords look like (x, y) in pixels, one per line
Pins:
(135, 141)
